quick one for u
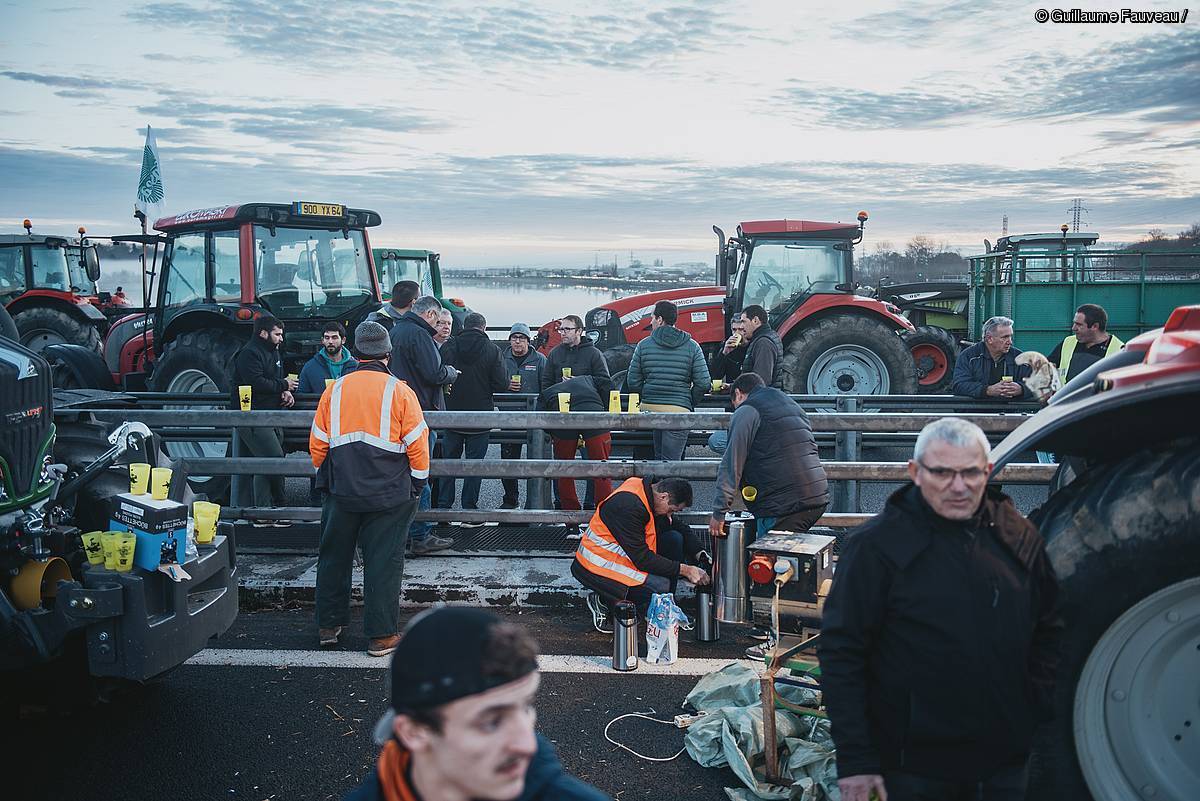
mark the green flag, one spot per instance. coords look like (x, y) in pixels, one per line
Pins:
(150, 191)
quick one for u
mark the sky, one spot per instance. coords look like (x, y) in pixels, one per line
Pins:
(527, 133)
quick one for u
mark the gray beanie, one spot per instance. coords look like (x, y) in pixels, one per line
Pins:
(371, 340)
(522, 329)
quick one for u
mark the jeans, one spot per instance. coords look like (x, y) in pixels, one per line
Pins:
(670, 445)
(511, 494)
(1008, 784)
(719, 441)
(796, 521)
(267, 490)
(419, 531)
(453, 445)
(381, 536)
(598, 449)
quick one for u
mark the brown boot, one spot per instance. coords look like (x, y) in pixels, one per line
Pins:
(330, 636)
(382, 646)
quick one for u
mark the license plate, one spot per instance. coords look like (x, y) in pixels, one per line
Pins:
(306, 209)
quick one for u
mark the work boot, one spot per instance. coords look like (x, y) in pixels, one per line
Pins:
(430, 544)
(382, 646)
(595, 605)
(330, 636)
(510, 503)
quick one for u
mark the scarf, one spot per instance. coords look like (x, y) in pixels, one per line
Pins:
(393, 773)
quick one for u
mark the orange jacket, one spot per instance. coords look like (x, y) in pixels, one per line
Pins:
(369, 441)
(600, 553)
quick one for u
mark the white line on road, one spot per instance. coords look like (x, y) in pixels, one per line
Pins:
(549, 663)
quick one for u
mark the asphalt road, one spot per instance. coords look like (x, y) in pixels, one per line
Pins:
(229, 732)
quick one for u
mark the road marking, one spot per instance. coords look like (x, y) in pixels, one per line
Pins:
(549, 663)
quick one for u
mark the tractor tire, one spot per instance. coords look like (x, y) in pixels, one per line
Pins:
(847, 354)
(934, 351)
(618, 358)
(193, 362)
(1124, 540)
(41, 327)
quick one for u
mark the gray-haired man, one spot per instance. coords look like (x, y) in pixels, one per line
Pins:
(939, 638)
(989, 369)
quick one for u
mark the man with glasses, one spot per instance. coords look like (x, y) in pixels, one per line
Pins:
(577, 356)
(988, 370)
(939, 639)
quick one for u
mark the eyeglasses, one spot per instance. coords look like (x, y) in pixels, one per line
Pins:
(970, 475)
(565, 328)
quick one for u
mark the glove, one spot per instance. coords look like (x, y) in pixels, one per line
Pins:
(418, 486)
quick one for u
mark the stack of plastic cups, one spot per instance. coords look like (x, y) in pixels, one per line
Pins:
(204, 516)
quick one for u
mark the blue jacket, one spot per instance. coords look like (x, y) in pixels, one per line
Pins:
(974, 367)
(668, 367)
(544, 781)
(319, 367)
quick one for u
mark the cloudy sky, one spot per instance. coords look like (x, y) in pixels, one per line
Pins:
(532, 133)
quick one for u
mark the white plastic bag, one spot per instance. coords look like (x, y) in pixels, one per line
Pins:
(663, 619)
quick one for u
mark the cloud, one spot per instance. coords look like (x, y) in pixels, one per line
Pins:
(71, 82)
(180, 58)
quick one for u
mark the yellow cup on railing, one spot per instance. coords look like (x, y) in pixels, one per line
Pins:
(109, 542)
(749, 494)
(125, 544)
(614, 401)
(204, 517)
(160, 483)
(635, 403)
(245, 394)
(139, 478)
(93, 547)
(564, 401)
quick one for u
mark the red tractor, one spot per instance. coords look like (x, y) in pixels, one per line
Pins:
(835, 341)
(48, 285)
(306, 263)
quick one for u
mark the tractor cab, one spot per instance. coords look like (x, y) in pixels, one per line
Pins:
(781, 264)
(422, 266)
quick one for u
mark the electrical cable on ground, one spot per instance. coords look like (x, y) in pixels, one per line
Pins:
(630, 750)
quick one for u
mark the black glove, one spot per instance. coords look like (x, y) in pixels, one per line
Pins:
(418, 486)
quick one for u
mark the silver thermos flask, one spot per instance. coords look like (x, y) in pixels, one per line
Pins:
(731, 592)
(624, 636)
(707, 628)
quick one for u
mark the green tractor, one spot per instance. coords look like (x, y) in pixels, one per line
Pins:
(422, 266)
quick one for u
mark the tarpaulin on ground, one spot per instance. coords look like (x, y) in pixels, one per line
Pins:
(732, 734)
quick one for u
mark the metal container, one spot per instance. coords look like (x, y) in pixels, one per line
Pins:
(731, 593)
(624, 636)
(707, 627)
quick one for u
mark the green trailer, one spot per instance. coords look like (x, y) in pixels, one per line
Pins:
(422, 266)
(1040, 279)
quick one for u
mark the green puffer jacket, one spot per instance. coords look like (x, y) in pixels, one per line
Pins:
(668, 367)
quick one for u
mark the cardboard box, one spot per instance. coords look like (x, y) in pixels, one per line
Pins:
(143, 513)
(153, 550)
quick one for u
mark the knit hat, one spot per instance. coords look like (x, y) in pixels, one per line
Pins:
(371, 340)
(520, 328)
(440, 659)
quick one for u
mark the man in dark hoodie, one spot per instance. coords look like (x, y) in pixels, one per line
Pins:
(461, 723)
(258, 366)
(523, 367)
(669, 371)
(578, 354)
(939, 640)
(330, 362)
(481, 374)
(764, 354)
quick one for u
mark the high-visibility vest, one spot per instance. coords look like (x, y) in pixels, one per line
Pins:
(600, 553)
(1068, 352)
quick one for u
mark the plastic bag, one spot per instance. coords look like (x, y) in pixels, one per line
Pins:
(663, 619)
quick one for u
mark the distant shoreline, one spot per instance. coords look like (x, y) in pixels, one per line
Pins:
(548, 280)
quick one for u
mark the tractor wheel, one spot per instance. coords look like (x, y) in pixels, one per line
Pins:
(847, 354)
(41, 326)
(199, 362)
(933, 351)
(1124, 540)
(618, 358)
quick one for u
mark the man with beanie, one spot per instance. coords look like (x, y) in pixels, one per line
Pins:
(370, 445)
(461, 723)
(523, 367)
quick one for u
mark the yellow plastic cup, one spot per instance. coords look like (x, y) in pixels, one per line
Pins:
(749, 494)
(109, 541)
(244, 396)
(124, 546)
(635, 403)
(205, 516)
(293, 377)
(614, 401)
(160, 483)
(93, 547)
(1008, 378)
(516, 379)
(717, 384)
(566, 373)
(328, 383)
(564, 401)
(139, 478)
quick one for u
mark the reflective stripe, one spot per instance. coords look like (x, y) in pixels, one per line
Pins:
(385, 409)
(419, 473)
(1068, 352)
(607, 564)
(415, 434)
(367, 439)
(335, 411)
(318, 433)
(613, 547)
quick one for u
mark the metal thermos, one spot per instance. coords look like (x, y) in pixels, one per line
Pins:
(731, 590)
(707, 628)
(624, 636)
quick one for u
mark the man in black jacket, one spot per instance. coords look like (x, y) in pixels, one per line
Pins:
(480, 374)
(258, 366)
(939, 638)
(764, 354)
(578, 354)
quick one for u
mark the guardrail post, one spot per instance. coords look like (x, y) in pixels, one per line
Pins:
(838, 497)
(535, 488)
(235, 481)
(853, 454)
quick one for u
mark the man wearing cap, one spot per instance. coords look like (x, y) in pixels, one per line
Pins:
(370, 445)
(461, 723)
(524, 366)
